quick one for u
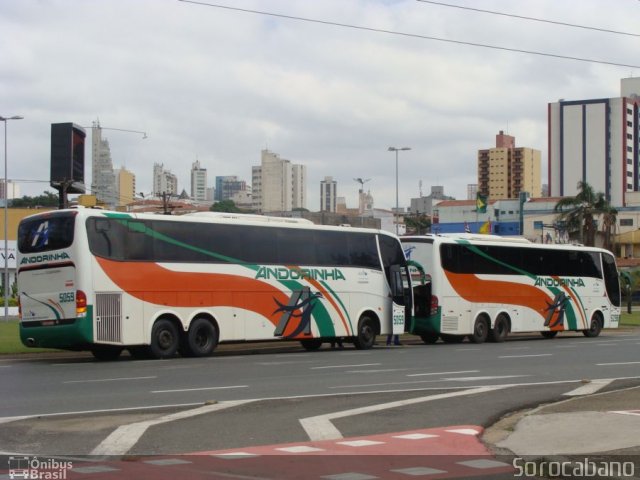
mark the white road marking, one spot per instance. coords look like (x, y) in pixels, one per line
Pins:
(378, 371)
(321, 428)
(471, 379)
(616, 363)
(440, 373)
(589, 388)
(123, 438)
(347, 366)
(108, 379)
(527, 356)
(200, 389)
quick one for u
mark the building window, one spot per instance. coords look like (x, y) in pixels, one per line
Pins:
(626, 222)
(629, 136)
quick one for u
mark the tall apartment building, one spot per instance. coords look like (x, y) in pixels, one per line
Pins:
(277, 184)
(198, 182)
(229, 186)
(125, 186)
(596, 141)
(507, 170)
(164, 181)
(328, 194)
(103, 178)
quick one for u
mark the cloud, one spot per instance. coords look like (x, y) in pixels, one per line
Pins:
(219, 85)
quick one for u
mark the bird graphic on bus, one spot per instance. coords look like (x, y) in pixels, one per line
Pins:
(301, 301)
(558, 306)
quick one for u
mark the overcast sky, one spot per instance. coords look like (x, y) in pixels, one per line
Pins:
(219, 85)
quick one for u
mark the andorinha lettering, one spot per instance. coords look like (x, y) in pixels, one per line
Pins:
(281, 273)
(559, 282)
(51, 257)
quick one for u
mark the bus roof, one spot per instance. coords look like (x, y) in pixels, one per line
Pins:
(213, 217)
(496, 240)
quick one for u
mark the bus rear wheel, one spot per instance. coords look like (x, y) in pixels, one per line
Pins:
(366, 335)
(201, 339)
(164, 339)
(480, 331)
(106, 353)
(500, 329)
(311, 344)
(595, 327)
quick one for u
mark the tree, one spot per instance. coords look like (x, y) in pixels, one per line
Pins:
(47, 199)
(226, 206)
(417, 224)
(578, 213)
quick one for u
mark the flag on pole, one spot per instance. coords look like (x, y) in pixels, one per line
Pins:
(466, 228)
(481, 203)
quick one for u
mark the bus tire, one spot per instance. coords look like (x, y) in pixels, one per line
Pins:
(429, 338)
(201, 339)
(549, 333)
(480, 330)
(164, 339)
(500, 329)
(595, 327)
(311, 344)
(106, 353)
(366, 335)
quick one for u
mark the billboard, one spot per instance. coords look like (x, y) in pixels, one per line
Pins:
(67, 157)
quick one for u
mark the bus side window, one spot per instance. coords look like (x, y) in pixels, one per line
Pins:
(138, 245)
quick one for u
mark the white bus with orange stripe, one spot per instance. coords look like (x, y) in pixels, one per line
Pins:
(153, 284)
(485, 286)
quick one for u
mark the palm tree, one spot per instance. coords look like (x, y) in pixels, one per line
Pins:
(578, 212)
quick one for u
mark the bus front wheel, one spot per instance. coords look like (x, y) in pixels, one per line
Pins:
(480, 331)
(594, 328)
(164, 339)
(366, 335)
(202, 338)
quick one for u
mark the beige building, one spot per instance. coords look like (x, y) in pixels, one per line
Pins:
(277, 184)
(126, 186)
(507, 170)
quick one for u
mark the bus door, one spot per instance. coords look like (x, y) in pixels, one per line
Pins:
(402, 303)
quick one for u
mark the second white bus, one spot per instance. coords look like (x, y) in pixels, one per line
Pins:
(484, 287)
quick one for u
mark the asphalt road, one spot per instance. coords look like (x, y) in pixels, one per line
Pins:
(72, 403)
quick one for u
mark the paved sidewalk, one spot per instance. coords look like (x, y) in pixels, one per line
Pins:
(600, 424)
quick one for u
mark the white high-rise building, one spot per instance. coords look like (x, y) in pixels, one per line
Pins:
(198, 182)
(278, 185)
(164, 182)
(328, 194)
(103, 178)
(596, 141)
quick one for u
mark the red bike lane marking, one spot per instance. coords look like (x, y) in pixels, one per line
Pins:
(445, 452)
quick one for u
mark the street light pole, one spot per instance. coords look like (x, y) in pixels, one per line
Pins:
(394, 149)
(6, 222)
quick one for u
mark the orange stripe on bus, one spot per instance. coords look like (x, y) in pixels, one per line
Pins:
(152, 283)
(474, 289)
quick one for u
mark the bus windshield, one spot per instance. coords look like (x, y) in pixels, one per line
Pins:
(45, 233)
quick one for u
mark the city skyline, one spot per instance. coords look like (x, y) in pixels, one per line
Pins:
(221, 85)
